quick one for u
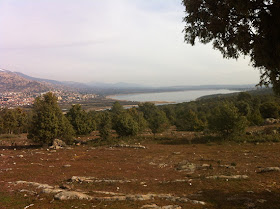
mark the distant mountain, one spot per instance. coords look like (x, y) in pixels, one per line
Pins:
(12, 82)
(120, 85)
(38, 79)
(17, 81)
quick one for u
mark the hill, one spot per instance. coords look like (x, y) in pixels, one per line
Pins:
(12, 82)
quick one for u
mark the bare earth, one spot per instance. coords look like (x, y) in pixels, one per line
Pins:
(229, 175)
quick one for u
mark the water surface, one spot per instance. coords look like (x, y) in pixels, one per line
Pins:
(174, 97)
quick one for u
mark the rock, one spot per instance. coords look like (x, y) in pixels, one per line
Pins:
(38, 185)
(228, 166)
(269, 121)
(58, 144)
(171, 207)
(268, 169)
(52, 191)
(20, 156)
(176, 153)
(136, 146)
(154, 206)
(71, 195)
(162, 165)
(186, 167)
(61, 194)
(261, 200)
(67, 166)
(95, 180)
(228, 177)
(28, 206)
(28, 192)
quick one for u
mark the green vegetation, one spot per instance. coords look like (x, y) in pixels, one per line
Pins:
(227, 121)
(238, 28)
(212, 119)
(48, 121)
(82, 123)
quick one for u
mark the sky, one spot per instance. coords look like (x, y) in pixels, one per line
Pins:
(134, 41)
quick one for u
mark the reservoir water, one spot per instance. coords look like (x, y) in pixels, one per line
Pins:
(173, 97)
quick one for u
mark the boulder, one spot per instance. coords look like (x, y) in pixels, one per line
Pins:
(58, 144)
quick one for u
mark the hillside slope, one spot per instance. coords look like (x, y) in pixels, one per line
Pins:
(12, 82)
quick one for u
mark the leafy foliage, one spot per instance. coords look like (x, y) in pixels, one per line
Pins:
(227, 121)
(188, 121)
(105, 125)
(239, 27)
(80, 120)
(126, 125)
(269, 110)
(48, 121)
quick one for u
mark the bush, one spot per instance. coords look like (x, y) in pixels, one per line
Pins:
(226, 120)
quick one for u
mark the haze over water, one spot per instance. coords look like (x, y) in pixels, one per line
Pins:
(175, 97)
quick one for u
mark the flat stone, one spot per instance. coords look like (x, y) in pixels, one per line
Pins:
(71, 195)
(268, 169)
(228, 177)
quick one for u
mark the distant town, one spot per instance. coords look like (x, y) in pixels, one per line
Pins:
(21, 99)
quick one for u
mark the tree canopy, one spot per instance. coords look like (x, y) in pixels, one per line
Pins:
(239, 27)
(48, 121)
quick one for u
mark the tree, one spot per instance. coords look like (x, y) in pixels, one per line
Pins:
(188, 121)
(227, 121)
(21, 118)
(9, 121)
(239, 27)
(139, 118)
(126, 125)
(269, 110)
(117, 108)
(243, 108)
(244, 96)
(158, 122)
(48, 121)
(105, 125)
(156, 118)
(80, 120)
(1, 125)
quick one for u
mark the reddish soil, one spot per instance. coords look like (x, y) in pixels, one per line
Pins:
(153, 170)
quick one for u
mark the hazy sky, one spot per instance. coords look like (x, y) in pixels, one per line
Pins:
(136, 41)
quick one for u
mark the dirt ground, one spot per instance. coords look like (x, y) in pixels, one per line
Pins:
(186, 175)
